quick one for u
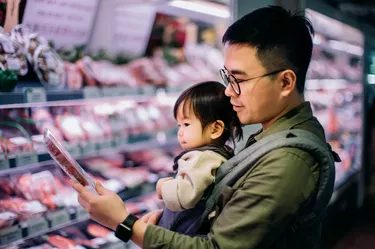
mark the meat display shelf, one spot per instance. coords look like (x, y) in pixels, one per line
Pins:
(160, 140)
(34, 94)
(75, 218)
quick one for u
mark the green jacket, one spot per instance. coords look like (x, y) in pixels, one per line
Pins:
(258, 211)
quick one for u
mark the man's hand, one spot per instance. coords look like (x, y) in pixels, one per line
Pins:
(159, 186)
(107, 208)
(152, 217)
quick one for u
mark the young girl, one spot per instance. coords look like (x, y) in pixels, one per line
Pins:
(206, 122)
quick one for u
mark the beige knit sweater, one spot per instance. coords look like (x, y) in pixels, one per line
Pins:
(196, 171)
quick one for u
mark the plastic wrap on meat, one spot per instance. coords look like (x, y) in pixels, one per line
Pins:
(90, 126)
(39, 186)
(71, 128)
(11, 57)
(105, 73)
(49, 67)
(16, 145)
(44, 120)
(23, 208)
(20, 35)
(7, 219)
(144, 119)
(66, 162)
(144, 71)
(6, 186)
(157, 116)
(162, 164)
(61, 242)
(32, 42)
(73, 76)
(84, 65)
(97, 231)
(130, 177)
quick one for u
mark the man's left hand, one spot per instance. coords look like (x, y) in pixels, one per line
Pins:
(107, 208)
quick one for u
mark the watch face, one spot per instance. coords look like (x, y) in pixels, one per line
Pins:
(124, 230)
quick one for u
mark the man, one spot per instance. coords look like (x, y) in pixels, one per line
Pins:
(267, 54)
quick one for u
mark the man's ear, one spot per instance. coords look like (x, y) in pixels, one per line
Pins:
(288, 81)
(217, 129)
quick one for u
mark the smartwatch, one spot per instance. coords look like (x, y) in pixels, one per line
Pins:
(124, 230)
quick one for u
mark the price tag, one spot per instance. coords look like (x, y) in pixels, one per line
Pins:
(126, 91)
(35, 94)
(139, 138)
(149, 90)
(73, 149)
(110, 92)
(91, 92)
(4, 163)
(88, 148)
(10, 234)
(121, 140)
(58, 217)
(80, 212)
(36, 225)
(105, 144)
(26, 158)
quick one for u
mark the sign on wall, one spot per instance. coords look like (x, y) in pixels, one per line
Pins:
(65, 22)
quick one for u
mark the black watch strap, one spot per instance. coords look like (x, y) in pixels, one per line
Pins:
(124, 230)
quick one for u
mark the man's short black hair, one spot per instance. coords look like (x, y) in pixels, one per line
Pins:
(208, 103)
(283, 40)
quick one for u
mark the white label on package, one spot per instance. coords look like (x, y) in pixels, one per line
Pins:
(13, 64)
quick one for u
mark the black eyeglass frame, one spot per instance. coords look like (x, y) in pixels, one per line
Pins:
(225, 76)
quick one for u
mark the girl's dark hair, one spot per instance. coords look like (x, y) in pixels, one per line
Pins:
(209, 104)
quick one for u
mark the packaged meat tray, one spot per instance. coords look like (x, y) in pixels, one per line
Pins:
(66, 162)
(7, 219)
(11, 57)
(22, 208)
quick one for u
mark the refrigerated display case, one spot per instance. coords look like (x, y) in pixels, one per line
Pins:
(112, 114)
(334, 86)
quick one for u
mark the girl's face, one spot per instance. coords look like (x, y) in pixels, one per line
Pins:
(190, 132)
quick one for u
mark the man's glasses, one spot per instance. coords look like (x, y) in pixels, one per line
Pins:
(228, 78)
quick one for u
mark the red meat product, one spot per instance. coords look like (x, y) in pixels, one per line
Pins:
(61, 242)
(90, 126)
(6, 186)
(162, 164)
(130, 177)
(66, 163)
(73, 76)
(18, 144)
(144, 71)
(39, 186)
(97, 231)
(85, 69)
(24, 209)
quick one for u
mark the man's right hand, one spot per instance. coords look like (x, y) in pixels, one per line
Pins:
(152, 217)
